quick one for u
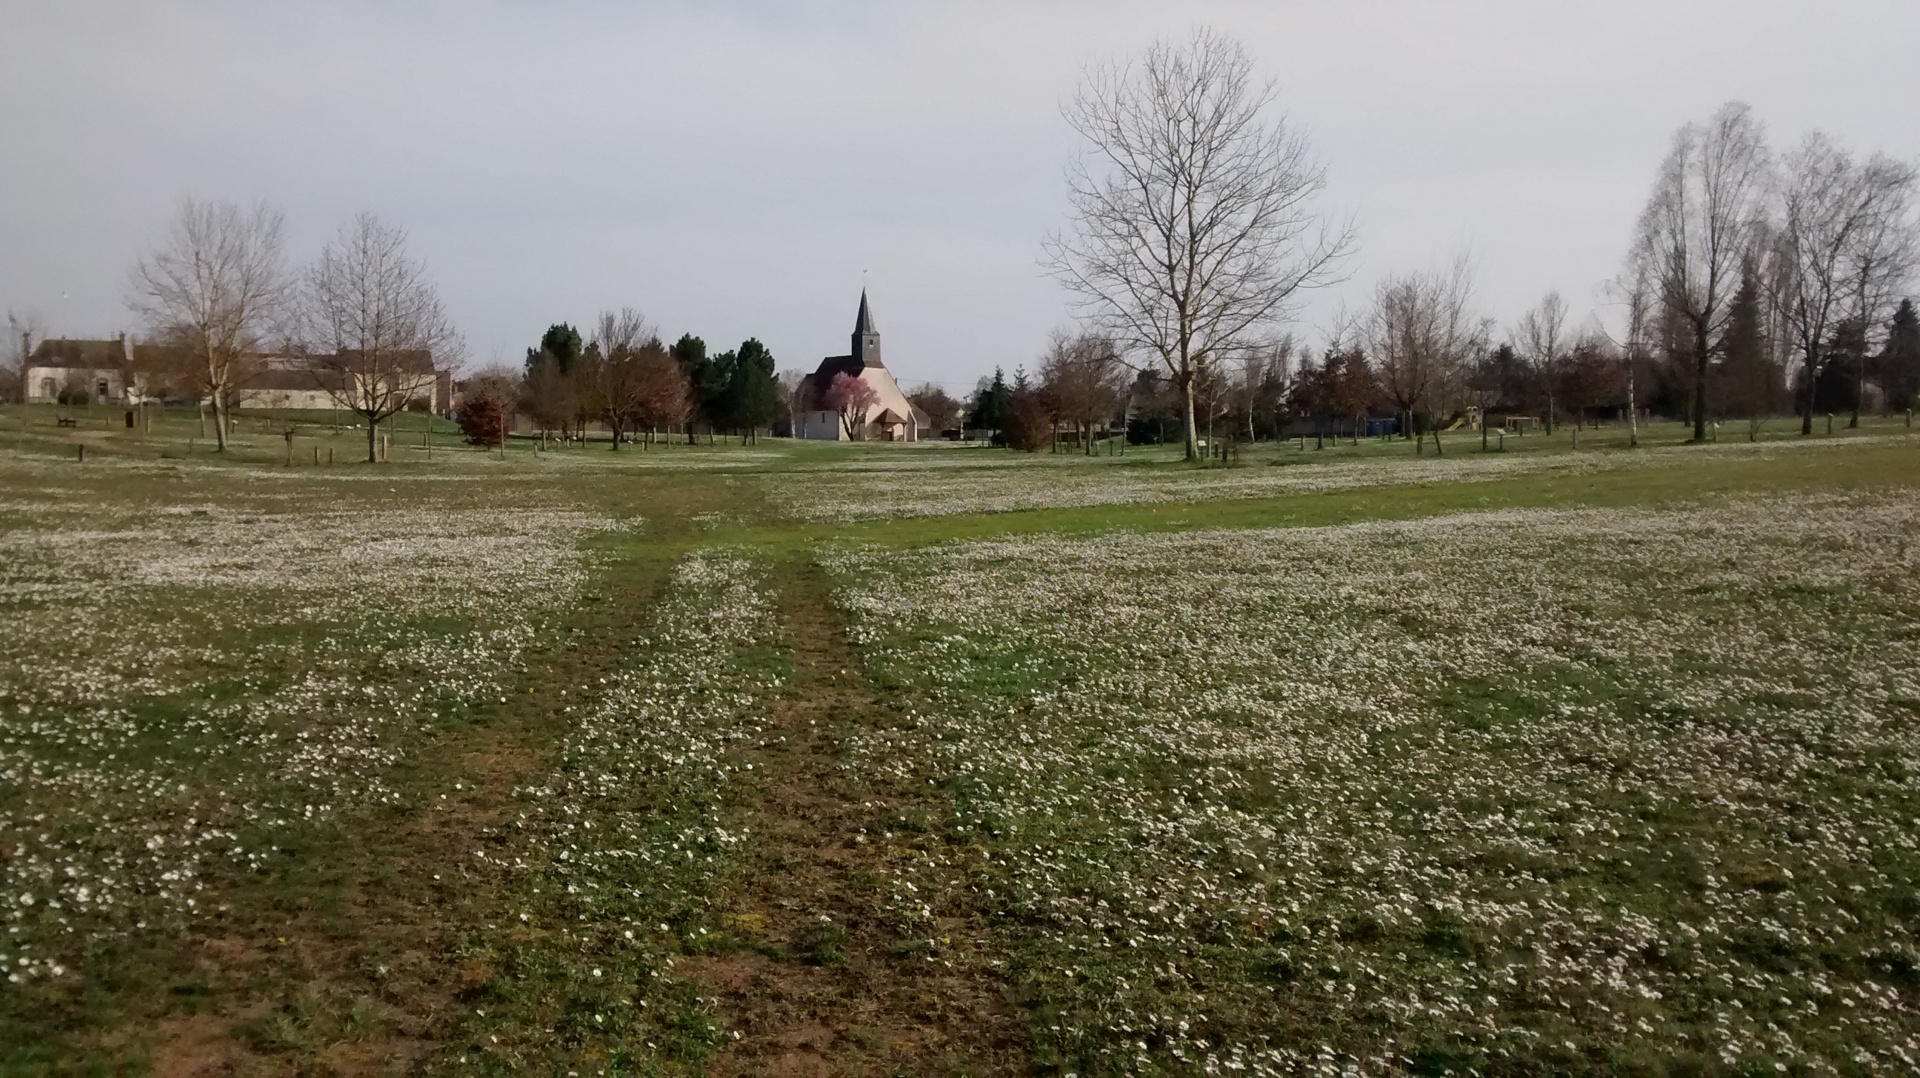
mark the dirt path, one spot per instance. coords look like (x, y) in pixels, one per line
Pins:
(826, 986)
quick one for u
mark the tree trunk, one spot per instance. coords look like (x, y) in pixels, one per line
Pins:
(1806, 398)
(1859, 387)
(220, 420)
(1437, 451)
(373, 440)
(1700, 383)
(1633, 409)
(1192, 432)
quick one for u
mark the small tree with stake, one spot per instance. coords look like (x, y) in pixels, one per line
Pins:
(373, 321)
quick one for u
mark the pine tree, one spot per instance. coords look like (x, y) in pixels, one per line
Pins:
(1897, 368)
(704, 378)
(990, 403)
(1746, 371)
(563, 343)
(752, 388)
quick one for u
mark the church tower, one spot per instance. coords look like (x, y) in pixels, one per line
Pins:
(866, 339)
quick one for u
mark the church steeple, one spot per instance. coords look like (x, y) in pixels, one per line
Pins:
(864, 323)
(866, 339)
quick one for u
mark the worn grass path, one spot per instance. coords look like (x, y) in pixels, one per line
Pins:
(823, 983)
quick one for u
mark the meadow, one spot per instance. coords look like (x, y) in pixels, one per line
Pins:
(944, 759)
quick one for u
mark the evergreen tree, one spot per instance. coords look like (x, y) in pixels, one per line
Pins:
(990, 404)
(752, 388)
(1746, 371)
(1897, 368)
(705, 377)
(563, 343)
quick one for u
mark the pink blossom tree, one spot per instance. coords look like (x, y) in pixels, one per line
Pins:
(851, 397)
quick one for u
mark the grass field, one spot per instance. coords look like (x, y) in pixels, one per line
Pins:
(804, 758)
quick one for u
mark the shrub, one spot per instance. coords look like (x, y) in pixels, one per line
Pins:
(483, 421)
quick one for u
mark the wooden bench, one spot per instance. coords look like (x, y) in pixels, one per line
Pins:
(69, 421)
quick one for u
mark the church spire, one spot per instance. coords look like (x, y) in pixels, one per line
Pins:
(864, 323)
(866, 339)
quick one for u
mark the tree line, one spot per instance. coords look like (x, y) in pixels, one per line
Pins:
(1755, 283)
(623, 377)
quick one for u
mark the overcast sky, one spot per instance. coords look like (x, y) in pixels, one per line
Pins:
(732, 169)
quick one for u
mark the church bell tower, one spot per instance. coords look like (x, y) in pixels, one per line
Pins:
(866, 339)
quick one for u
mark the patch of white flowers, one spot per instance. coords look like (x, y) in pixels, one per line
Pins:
(182, 687)
(944, 484)
(621, 847)
(1560, 787)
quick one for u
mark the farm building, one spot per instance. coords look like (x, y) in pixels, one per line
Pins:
(118, 371)
(61, 371)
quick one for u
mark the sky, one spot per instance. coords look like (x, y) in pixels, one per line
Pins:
(742, 169)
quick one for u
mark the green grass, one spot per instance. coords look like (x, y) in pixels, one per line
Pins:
(398, 939)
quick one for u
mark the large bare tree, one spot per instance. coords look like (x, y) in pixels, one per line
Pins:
(1881, 260)
(373, 324)
(1831, 212)
(1698, 229)
(1542, 340)
(1425, 336)
(1194, 227)
(216, 290)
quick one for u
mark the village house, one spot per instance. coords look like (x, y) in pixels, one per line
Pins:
(288, 382)
(889, 417)
(85, 372)
(120, 372)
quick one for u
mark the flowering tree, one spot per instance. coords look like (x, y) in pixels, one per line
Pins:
(850, 396)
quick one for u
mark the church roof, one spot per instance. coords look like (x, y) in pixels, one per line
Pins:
(864, 323)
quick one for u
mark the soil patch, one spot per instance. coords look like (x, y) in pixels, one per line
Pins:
(821, 982)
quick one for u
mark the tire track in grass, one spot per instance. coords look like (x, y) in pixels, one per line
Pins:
(365, 970)
(822, 976)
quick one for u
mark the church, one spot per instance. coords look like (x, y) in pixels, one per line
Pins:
(890, 417)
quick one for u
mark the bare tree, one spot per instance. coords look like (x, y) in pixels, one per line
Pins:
(943, 412)
(1424, 337)
(1080, 377)
(22, 329)
(662, 389)
(1825, 206)
(620, 376)
(1881, 260)
(1542, 341)
(793, 397)
(1193, 223)
(216, 289)
(372, 323)
(1634, 290)
(1698, 228)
